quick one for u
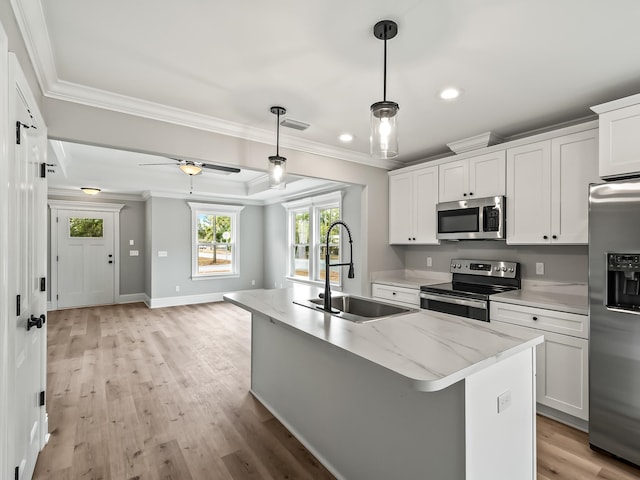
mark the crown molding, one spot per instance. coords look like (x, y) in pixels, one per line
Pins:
(32, 24)
(73, 193)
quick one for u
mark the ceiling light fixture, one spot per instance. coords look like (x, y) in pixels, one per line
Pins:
(190, 168)
(277, 164)
(90, 190)
(346, 137)
(450, 93)
(384, 114)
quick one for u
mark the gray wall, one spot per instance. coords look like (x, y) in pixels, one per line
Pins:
(566, 263)
(276, 243)
(132, 227)
(171, 232)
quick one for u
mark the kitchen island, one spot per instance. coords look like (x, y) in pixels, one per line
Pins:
(423, 395)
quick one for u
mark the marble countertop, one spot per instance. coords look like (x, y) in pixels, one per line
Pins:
(410, 278)
(564, 297)
(431, 350)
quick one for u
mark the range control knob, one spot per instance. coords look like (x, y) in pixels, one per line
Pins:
(511, 269)
(497, 269)
(504, 269)
(458, 265)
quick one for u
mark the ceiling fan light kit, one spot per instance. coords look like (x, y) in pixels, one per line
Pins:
(277, 163)
(190, 169)
(384, 114)
(90, 190)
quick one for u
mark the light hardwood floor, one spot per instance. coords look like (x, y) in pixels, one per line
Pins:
(135, 393)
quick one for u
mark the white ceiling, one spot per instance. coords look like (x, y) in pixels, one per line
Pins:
(219, 66)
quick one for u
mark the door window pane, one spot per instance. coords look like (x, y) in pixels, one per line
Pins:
(85, 227)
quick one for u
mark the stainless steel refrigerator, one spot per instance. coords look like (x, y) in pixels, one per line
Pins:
(614, 310)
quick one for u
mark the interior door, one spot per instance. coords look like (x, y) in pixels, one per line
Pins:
(29, 250)
(86, 258)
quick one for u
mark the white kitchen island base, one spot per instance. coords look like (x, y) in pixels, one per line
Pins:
(364, 421)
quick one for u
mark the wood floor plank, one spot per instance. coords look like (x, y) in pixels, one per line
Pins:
(147, 394)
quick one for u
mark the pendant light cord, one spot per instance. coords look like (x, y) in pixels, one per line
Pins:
(384, 83)
(278, 135)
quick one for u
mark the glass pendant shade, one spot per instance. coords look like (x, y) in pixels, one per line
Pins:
(277, 172)
(384, 130)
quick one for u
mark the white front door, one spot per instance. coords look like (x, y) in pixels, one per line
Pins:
(85, 257)
(28, 248)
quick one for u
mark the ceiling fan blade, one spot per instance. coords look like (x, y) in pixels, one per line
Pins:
(145, 164)
(221, 168)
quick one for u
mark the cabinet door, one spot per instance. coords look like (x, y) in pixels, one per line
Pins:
(487, 175)
(426, 198)
(401, 208)
(619, 142)
(454, 181)
(562, 374)
(574, 164)
(528, 194)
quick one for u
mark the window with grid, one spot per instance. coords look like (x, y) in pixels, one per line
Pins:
(309, 219)
(215, 233)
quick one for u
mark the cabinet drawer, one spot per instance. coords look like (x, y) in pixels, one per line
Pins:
(407, 296)
(542, 319)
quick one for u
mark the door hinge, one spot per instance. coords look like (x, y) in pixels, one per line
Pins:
(43, 284)
(43, 170)
(57, 297)
(57, 220)
(18, 305)
(17, 476)
(43, 398)
(57, 258)
(19, 125)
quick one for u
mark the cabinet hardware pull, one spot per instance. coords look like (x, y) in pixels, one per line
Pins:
(535, 318)
(470, 193)
(464, 194)
(554, 236)
(546, 237)
(393, 293)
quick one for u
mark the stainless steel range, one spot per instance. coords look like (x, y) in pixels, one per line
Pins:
(472, 283)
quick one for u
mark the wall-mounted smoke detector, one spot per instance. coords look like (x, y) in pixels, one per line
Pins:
(295, 124)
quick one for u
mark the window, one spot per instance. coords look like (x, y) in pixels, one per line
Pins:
(309, 219)
(86, 227)
(215, 233)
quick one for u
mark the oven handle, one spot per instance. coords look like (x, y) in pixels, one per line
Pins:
(458, 301)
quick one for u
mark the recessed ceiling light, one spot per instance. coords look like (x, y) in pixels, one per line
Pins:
(346, 137)
(450, 93)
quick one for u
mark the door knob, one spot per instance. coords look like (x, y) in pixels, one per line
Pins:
(34, 321)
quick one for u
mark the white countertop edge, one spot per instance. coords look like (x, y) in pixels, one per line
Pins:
(442, 383)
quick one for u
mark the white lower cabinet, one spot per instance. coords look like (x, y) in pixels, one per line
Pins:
(562, 360)
(401, 295)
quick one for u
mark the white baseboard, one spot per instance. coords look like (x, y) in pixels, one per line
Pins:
(183, 300)
(132, 298)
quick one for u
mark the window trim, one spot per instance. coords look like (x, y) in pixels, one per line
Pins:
(312, 205)
(216, 209)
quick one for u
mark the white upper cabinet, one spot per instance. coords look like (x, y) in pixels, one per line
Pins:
(475, 177)
(548, 189)
(619, 140)
(413, 196)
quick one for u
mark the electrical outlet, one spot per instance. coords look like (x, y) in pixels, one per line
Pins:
(429, 262)
(162, 253)
(539, 268)
(253, 282)
(177, 288)
(504, 401)
(134, 253)
(131, 242)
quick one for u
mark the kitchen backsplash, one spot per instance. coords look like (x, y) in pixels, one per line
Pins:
(565, 263)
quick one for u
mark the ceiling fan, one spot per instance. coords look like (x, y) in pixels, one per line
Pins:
(195, 168)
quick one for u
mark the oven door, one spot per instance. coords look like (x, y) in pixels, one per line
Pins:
(463, 307)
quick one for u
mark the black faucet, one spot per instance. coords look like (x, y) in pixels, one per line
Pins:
(327, 265)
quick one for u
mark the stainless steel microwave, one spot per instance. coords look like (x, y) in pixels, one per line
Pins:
(476, 219)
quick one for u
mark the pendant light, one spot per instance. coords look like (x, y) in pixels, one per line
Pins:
(277, 163)
(384, 114)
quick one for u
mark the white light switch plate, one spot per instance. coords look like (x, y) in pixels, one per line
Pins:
(539, 268)
(162, 253)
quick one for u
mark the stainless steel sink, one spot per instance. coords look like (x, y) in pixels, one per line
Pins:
(356, 309)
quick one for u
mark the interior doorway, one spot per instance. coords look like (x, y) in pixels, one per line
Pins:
(84, 253)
